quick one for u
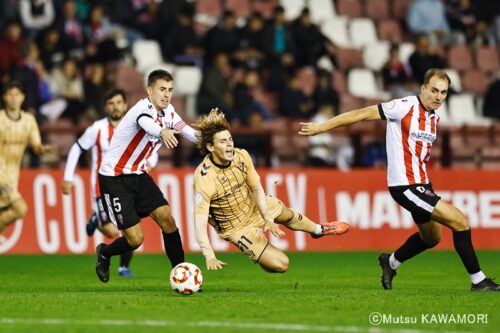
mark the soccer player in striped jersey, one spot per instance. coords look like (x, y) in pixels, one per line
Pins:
(97, 138)
(17, 130)
(412, 127)
(229, 196)
(128, 191)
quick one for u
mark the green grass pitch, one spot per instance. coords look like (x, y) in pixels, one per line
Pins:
(321, 292)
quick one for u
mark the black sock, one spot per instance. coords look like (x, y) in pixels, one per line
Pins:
(463, 245)
(125, 258)
(173, 247)
(413, 246)
(119, 246)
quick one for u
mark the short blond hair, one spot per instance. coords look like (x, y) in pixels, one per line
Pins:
(436, 72)
(208, 126)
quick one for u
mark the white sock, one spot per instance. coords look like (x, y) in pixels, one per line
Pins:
(318, 230)
(393, 262)
(477, 277)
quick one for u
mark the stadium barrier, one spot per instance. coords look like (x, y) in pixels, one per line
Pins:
(55, 224)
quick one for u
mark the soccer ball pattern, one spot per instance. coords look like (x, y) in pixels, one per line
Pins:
(186, 278)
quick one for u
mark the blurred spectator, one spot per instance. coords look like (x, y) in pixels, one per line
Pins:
(251, 47)
(324, 92)
(36, 15)
(328, 150)
(215, 89)
(491, 106)
(180, 44)
(248, 98)
(71, 29)
(322, 146)
(168, 11)
(95, 87)
(52, 51)
(9, 11)
(293, 102)
(123, 14)
(374, 153)
(429, 17)
(223, 37)
(312, 44)
(395, 75)
(461, 16)
(10, 44)
(146, 18)
(279, 47)
(424, 58)
(100, 34)
(32, 76)
(254, 141)
(67, 83)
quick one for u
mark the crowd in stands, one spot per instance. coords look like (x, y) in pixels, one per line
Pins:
(266, 63)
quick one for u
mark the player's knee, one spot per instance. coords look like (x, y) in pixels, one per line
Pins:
(281, 264)
(432, 240)
(461, 223)
(135, 240)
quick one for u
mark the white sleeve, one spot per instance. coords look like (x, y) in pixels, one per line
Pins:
(88, 138)
(149, 125)
(73, 156)
(394, 110)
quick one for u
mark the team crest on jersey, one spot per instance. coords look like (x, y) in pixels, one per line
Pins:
(198, 198)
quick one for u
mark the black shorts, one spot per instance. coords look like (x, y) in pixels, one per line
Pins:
(102, 215)
(418, 199)
(128, 198)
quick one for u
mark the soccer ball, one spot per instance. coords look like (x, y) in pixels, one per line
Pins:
(186, 278)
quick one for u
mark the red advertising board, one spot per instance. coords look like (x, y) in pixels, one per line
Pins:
(56, 223)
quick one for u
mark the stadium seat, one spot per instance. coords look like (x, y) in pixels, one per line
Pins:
(400, 8)
(264, 7)
(463, 112)
(240, 8)
(487, 59)
(405, 51)
(187, 80)
(460, 57)
(361, 83)
(390, 29)
(335, 29)
(349, 58)
(147, 53)
(208, 7)
(375, 55)
(321, 10)
(474, 80)
(350, 8)
(292, 8)
(456, 81)
(362, 31)
(444, 116)
(377, 9)
(129, 79)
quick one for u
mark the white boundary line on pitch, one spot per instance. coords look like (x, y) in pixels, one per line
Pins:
(221, 324)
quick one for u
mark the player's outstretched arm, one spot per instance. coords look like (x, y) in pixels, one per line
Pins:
(200, 227)
(345, 119)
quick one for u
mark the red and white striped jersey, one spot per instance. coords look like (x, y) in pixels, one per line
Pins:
(411, 131)
(97, 137)
(131, 146)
